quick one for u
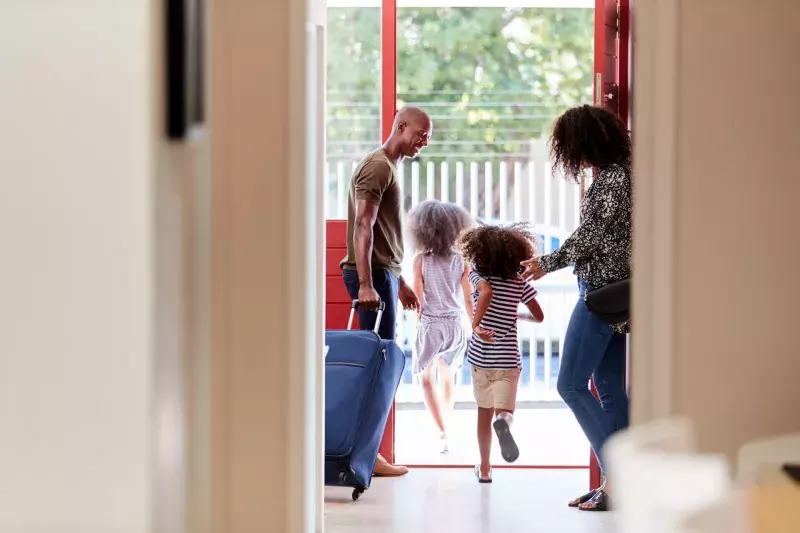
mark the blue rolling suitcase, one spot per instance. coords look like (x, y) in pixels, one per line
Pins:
(362, 373)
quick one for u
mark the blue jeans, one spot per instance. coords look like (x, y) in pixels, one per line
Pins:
(593, 350)
(387, 287)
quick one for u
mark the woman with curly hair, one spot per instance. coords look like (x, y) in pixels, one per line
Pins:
(494, 254)
(600, 250)
(440, 280)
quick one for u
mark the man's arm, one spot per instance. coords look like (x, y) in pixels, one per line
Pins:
(369, 185)
(366, 215)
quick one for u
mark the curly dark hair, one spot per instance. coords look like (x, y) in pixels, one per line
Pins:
(498, 250)
(434, 226)
(588, 135)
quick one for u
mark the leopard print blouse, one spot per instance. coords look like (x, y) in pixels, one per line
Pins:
(600, 248)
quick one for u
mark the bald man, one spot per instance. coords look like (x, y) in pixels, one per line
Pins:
(372, 268)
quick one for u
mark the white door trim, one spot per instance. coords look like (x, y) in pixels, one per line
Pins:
(656, 64)
(267, 257)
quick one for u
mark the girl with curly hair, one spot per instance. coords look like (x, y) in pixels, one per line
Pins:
(440, 280)
(600, 250)
(494, 254)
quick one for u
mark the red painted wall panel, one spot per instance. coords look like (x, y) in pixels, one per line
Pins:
(337, 301)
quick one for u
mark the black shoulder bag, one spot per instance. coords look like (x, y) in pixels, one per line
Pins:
(610, 303)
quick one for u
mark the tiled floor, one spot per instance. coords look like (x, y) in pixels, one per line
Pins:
(441, 500)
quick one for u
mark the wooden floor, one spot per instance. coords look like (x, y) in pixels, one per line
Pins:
(441, 500)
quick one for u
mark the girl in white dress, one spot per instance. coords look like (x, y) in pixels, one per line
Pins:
(442, 284)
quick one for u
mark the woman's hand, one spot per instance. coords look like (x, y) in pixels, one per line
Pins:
(532, 270)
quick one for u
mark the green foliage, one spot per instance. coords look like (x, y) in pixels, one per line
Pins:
(492, 78)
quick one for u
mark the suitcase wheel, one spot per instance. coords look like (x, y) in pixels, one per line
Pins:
(357, 492)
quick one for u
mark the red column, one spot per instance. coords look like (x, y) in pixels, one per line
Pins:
(388, 110)
(611, 86)
(336, 297)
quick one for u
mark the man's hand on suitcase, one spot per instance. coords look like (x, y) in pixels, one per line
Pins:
(367, 297)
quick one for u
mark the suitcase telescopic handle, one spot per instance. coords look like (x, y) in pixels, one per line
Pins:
(354, 307)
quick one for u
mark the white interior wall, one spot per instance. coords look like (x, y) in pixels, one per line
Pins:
(716, 180)
(266, 267)
(104, 228)
(76, 233)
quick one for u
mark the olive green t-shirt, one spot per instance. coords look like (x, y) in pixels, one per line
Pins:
(375, 180)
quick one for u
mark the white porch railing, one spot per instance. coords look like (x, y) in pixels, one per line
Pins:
(497, 191)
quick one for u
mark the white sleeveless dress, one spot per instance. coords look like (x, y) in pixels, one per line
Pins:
(440, 332)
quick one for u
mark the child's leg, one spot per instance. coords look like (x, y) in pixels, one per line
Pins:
(505, 402)
(485, 417)
(446, 384)
(431, 398)
(482, 388)
(445, 399)
(502, 427)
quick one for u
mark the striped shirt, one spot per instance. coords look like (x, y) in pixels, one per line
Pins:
(501, 317)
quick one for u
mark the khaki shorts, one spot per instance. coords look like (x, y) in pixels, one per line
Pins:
(496, 388)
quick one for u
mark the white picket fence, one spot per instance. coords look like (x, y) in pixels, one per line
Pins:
(497, 191)
(519, 190)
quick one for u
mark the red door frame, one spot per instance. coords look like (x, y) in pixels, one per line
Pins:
(388, 111)
(611, 85)
(337, 299)
(610, 54)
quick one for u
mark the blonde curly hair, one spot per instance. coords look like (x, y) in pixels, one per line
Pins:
(434, 226)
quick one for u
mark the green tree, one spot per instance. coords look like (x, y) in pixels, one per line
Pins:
(491, 77)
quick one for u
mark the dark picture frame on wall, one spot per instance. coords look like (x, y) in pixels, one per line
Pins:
(184, 75)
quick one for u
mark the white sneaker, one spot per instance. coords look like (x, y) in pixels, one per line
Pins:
(445, 445)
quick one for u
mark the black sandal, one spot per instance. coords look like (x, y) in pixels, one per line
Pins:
(480, 478)
(599, 501)
(582, 499)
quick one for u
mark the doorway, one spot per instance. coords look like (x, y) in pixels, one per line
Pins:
(493, 79)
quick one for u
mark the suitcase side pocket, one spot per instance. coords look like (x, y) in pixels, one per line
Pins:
(348, 386)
